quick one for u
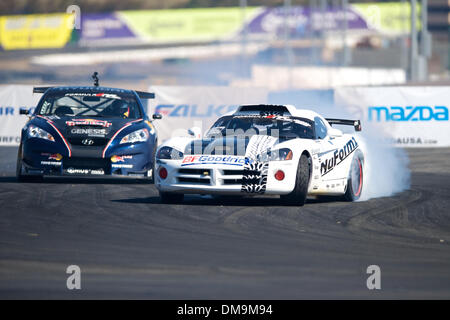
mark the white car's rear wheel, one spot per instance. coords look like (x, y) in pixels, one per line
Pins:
(355, 180)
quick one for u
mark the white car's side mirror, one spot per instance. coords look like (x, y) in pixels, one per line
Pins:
(196, 132)
(334, 133)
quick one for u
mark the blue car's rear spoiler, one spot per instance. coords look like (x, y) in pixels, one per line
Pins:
(40, 89)
(141, 94)
(145, 95)
(354, 123)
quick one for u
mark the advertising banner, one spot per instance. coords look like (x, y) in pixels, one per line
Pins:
(387, 17)
(186, 107)
(302, 21)
(405, 116)
(36, 31)
(198, 25)
(12, 99)
(100, 28)
(187, 25)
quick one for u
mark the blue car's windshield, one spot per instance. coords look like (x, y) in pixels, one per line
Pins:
(90, 104)
(278, 127)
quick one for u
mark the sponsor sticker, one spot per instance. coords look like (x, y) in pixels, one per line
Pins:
(88, 122)
(120, 165)
(51, 163)
(89, 131)
(100, 95)
(213, 159)
(338, 156)
(52, 156)
(85, 171)
(116, 159)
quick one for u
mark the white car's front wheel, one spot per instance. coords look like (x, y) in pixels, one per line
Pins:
(298, 195)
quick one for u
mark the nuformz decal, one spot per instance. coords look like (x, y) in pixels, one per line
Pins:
(338, 156)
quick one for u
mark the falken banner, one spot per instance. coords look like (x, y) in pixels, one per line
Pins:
(405, 116)
(183, 107)
(12, 99)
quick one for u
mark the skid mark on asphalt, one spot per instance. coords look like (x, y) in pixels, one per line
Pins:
(235, 221)
(394, 220)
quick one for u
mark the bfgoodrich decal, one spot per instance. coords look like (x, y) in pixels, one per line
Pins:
(227, 160)
(338, 156)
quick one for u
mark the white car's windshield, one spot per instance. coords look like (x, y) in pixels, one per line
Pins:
(285, 127)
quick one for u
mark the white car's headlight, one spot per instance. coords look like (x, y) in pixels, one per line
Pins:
(169, 153)
(276, 155)
(136, 136)
(36, 132)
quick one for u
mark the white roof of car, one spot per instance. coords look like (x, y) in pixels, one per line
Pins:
(303, 113)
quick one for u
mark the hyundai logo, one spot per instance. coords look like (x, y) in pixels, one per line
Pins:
(88, 142)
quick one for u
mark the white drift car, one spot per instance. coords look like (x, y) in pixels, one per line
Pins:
(263, 149)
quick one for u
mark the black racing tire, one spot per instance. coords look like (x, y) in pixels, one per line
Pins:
(19, 167)
(298, 195)
(170, 197)
(355, 179)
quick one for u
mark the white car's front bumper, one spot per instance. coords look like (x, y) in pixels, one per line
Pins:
(220, 178)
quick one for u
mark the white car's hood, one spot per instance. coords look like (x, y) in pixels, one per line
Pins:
(232, 145)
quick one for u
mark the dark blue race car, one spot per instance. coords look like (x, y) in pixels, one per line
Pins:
(81, 131)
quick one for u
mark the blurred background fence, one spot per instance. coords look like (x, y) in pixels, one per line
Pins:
(237, 43)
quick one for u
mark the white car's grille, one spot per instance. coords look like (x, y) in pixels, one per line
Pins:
(194, 176)
(231, 177)
(211, 177)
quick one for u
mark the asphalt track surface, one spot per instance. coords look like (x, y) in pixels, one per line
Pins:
(129, 245)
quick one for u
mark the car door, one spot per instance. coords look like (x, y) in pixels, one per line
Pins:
(328, 147)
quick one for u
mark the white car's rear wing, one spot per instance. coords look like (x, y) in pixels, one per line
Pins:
(345, 122)
(272, 108)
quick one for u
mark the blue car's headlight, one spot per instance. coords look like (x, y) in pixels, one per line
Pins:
(140, 135)
(36, 132)
(169, 153)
